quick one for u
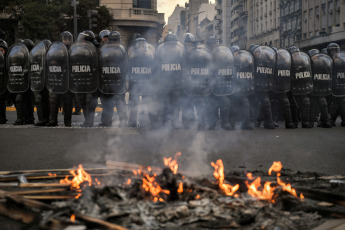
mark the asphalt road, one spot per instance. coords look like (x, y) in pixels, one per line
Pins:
(28, 147)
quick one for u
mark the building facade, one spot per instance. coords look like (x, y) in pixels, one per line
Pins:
(264, 22)
(223, 8)
(135, 16)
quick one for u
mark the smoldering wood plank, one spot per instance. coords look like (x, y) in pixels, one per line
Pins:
(18, 214)
(100, 222)
(39, 191)
(47, 197)
(46, 170)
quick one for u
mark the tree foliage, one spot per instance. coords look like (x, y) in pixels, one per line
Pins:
(46, 19)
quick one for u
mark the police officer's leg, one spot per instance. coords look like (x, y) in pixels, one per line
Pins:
(304, 107)
(245, 113)
(54, 109)
(68, 108)
(324, 113)
(285, 107)
(150, 104)
(177, 97)
(341, 105)
(133, 104)
(39, 107)
(312, 110)
(77, 104)
(225, 113)
(234, 109)
(82, 100)
(213, 103)
(162, 102)
(3, 119)
(293, 108)
(187, 111)
(200, 106)
(107, 110)
(91, 104)
(28, 99)
(46, 105)
(265, 101)
(20, 109)
(120, 104)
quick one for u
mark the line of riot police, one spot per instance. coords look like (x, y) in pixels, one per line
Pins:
(202, 82)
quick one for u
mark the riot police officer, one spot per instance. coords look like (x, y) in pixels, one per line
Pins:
(83, 78)
(244, 69)
(322, 67)
(170, 56)
(57, 79)
(301, 83)
(223, 84)
(37, 77)
(104, 36)
(338, 80)
(197, 75)
(3, 81)
(113, 63)
(142, 80)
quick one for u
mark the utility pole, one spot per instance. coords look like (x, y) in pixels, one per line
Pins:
(74, 4)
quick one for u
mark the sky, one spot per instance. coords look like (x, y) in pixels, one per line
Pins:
(168, 6)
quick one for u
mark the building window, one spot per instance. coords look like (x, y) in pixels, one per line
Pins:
(146, 4)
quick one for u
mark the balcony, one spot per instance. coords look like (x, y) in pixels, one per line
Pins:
(236, 4)
(234, 28)
(218, 17)
(218, 7)
(235, 39)
(125, 16)
(235, 16)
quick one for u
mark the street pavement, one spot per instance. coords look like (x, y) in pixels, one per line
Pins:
(306, 150)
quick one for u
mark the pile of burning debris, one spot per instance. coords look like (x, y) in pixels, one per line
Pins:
(142, 198)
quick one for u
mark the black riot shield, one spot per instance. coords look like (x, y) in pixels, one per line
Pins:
(83, 68)
(112, 61)
(170, 56)
(37, 72)
(198, 72)
(18, 69)
(57, 68)
(244, 67)
(141, 69)
(322, 66)
(338, 80)
(282, 76)
(301, 79)
(265, 61)
(2, 74)
(224, 82)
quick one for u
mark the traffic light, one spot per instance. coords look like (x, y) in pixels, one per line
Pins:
(92, 15)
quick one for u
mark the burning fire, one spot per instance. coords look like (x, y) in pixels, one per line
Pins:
(219, 175)
(73, 218)
(172, 164)
(267, 191)
(79, 177)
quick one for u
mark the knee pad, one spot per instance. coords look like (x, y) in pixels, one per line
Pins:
(19, 98)
(306, 101)
(38, 99)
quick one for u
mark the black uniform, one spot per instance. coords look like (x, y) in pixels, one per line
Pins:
(3, 82)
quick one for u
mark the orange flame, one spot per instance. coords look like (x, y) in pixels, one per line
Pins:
(266, 193)
(73, 218)
(219, 175)
(276, 167)
(197, 197)
(150, 185)
(52, 174)
(129, 181)
(180, 187)
(172, 164)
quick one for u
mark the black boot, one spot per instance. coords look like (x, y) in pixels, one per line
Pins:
(20, 111)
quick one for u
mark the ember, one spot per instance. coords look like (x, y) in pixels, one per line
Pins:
(219, 175)
(172, 164)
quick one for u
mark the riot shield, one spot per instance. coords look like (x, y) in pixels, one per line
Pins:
(322, 66)
(198, 72)
(301, 79)
(265, 61)
(2, 74)
(170, 56)
(37, 72)
(244, 67)
(338, 80)
(112, 61)
(224, 82)
(83, 68)
(141, 68)
(18, 69)
(282, 76)
(57, 68)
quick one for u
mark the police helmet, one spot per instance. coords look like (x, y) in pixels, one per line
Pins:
(212, 39)
(188, 37)
(29, 44)
(47, 43)
(312, 52)
(170, 37)
(104, 33)
(252, 47)
(293, 49)
(3, 44)
(324, 51)
(235, 48)
(333, 48)
(114, 36)
(66, 36)
(89, 35)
